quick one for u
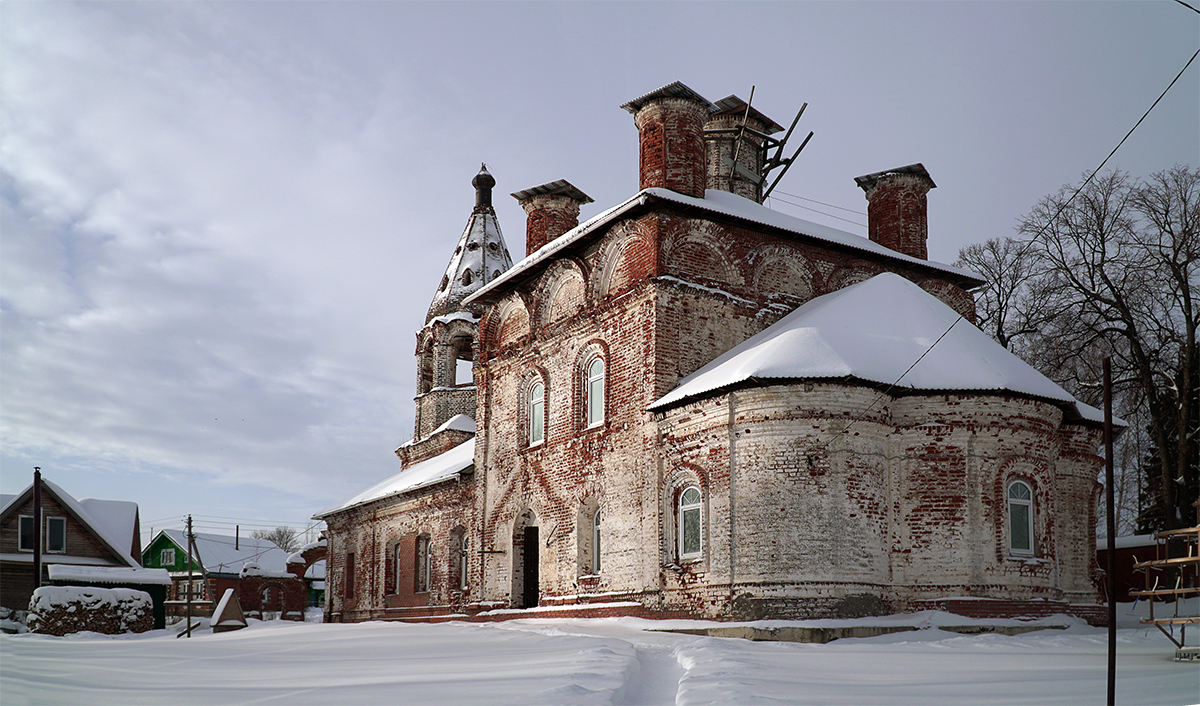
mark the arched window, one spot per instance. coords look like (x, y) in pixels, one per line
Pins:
(690, 523)
(596, 543)
(595, 392)
(537, 413)
(1020, 518)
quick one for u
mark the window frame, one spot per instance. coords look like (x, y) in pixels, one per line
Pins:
(25, 536)
(62, 521)
(162, 556)
(681, 512)
(1029, 508)
(595, 389)
(535, 409)
(348, 578)
(423, 560)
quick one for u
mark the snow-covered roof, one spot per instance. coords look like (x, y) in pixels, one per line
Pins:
(113, 521)
(480, 256)
(223, 554)
(438, 469)
(884, 330)
(1129, 541)
(108, 574)
(718, 202)
(459, 422)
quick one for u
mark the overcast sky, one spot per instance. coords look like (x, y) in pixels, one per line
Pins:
(223, 222)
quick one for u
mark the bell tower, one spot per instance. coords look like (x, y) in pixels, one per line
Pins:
(446, 344)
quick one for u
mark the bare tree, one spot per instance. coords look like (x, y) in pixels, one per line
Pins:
(1113, 271)
(286, 538)
(1122, 271)
(1006, 308)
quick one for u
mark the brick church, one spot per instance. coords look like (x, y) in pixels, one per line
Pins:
(693, 405)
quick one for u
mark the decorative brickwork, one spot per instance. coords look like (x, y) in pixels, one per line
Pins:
(769, 498)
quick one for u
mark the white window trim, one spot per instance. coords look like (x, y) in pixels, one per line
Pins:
(589, 378)
(162, 556)
(698, 508)
(64, 535)
(1028, 503)
(536, 409)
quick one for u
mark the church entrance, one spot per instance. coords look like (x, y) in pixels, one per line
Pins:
(525, 561)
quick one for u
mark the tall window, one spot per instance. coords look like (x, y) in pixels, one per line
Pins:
(349, 578)
(423, 563)
(462, 563)
(537, 413)
(25, 533)
(56, 534)
(595, 392)
(1020, 518)
(690, 524)
(166, 557)
(596, 543)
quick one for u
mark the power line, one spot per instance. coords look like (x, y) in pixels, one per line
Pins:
(1181, 2)
(1114, 150)
(803, 198)
(829, 215)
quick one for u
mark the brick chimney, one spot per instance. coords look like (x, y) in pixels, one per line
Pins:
(550, 210)
(670, 123)
(721, 133)
(897, 215)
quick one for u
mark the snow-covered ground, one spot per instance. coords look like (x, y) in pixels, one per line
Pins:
(600, 661)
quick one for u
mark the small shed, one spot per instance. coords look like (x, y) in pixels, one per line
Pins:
(155, 582)
(1131, 549)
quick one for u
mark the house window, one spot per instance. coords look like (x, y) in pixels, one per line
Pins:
(423, 563)
(349, 578)
(1020, 518)
(166, 557)
(56, 535)
(595, 392)
(537, 413)
(25, 533)
(690, 523)
(596, 543)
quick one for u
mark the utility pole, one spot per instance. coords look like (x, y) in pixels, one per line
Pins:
(191, 543)
(37, 527)
(1110, 518)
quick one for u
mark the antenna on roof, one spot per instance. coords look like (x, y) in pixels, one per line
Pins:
(770, 150)
(777, 160)
(737, 148)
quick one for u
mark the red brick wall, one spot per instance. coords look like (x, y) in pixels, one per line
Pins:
(671, 145)
(547, 216)
(897, 215)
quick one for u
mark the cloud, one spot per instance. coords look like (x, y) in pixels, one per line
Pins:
(174, 218)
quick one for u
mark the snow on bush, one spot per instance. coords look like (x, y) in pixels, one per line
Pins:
(62, 610)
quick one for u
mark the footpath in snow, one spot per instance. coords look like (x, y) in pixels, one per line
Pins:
(598, 661)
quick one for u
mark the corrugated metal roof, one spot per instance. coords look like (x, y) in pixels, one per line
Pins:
(671, 90)
(559, 186)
